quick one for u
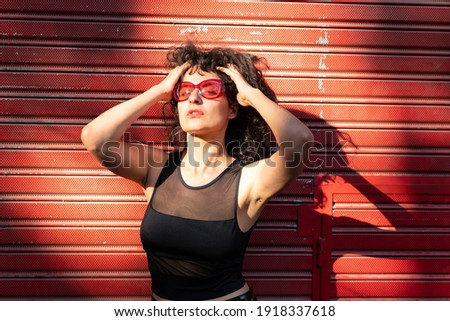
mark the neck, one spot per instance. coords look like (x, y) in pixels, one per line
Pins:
(205, 153)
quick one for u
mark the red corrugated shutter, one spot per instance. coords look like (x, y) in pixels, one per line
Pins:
(369, 218)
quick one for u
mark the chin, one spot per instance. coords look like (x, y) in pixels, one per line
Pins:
(199, 129)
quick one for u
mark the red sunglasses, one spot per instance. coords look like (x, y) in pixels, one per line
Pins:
(209, 89)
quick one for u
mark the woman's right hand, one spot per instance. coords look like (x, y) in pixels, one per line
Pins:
(167, 85)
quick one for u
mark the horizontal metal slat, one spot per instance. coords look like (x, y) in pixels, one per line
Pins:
(70, 236)
(318, 112)
(73, 262)
(288, 90)
(62, 108)
(382, 137)
(389, 276)
(54, 159)
(112, 185)
(361, 90)
(386, 265)
(400, 207)
(391, 241)
(279, 236)
(140, 35)
(366, 183)
(326, 161)
(397, 218)
(388, 163)
(123, 236)
(398, 230)
(130, 287)
(386, 111)
(91, 60)
(75, 287)
(378, 196)
(396, 2)
(336, 139)
(74, 274)
(257, 13)
(73, 197)
(58, 248)
(152, 61)
(389, 289)
(122, 198)
(70, 223)
(278, 262)
(132, 249)
(70, 134)
(26, 210)
(116, 262)
(281, 286)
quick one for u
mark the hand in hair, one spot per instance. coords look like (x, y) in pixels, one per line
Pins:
(171, 80)
(245, 90)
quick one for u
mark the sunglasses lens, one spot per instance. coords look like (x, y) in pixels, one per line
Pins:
(211, 89)
(185, 91)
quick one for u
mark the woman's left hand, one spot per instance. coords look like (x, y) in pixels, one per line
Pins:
(245, 90)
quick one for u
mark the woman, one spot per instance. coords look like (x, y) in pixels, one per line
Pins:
(205, 197)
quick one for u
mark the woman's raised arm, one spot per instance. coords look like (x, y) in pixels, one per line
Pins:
(262, 179)
(103, 136)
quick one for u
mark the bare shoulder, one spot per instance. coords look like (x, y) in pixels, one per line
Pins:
(157, 157)
(155, 162)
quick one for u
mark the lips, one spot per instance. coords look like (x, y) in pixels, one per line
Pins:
(194, 113)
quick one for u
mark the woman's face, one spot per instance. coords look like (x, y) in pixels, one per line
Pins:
(203, 117)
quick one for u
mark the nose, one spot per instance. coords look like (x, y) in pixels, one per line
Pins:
(195, 96)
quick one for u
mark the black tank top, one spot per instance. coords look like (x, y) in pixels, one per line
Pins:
(195, 248)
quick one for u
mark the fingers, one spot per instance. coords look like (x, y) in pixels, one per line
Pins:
(233, 72)
(173, 77)
(179, 70)
(185, 66)
(229, 69)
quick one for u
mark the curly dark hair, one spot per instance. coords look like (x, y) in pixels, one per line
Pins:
(248, 137)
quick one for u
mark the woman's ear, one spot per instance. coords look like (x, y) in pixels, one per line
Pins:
(232, 111)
